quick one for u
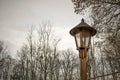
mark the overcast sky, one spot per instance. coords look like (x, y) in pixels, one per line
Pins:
(17, 15)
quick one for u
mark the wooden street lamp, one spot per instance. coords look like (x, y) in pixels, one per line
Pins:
(82, 34)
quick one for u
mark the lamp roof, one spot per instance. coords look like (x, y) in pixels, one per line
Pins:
(82, 26)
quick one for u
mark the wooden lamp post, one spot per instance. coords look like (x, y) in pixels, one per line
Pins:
(82, 34)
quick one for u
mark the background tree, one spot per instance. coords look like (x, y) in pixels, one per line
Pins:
(106, 17)
(39, 58)
(6, 62)
(69, 65)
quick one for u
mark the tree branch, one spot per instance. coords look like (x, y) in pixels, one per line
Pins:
(117, 3)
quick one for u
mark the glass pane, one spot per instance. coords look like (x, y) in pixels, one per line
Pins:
(78, 39)
(86, 37)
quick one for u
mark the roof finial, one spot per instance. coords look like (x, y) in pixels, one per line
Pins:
(82, 20)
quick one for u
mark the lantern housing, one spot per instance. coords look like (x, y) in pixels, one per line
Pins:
(82, 34)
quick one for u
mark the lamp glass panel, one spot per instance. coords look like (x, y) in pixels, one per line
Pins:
(78, 39)
(86, 37)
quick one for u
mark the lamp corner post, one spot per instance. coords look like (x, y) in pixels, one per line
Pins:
(82, 34)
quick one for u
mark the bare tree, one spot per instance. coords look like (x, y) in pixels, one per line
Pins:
(70, 65)
(39, 58)
(5, 62)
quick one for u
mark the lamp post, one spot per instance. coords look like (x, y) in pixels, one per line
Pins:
(82, 34)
